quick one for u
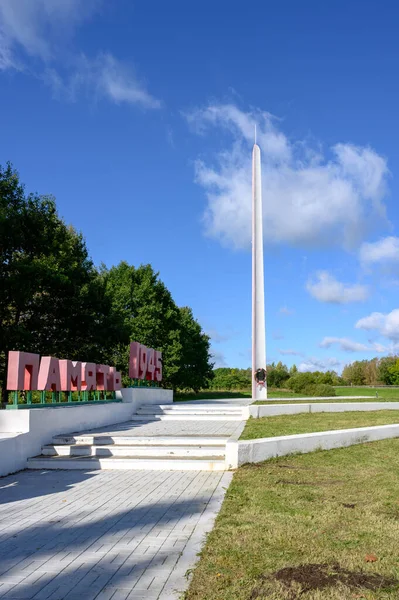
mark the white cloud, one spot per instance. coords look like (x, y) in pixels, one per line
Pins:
(219, 359)
(308, 199)
(217, 337)
(33, 25)
(7, 60)
(38, 27)
(290, 352)
(118, 83)
(284, 310)
(385, 250)
(103, 77)
(386, 325)
(345, 344)
(317, 364)
(328, 289)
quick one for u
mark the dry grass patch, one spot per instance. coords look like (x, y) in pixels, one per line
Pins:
(316, 526)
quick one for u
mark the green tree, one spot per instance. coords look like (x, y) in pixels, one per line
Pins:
(196, 368)
(51, 298)
(231, 379)
(150, 316)
(371, 372)
(148, 313)
(386, 369)
(298, 382)
(277, 375)
(293, 370)
(355, 373)
(393, 371)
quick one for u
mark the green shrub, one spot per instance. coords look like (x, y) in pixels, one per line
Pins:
(299, 381)
(319, 389)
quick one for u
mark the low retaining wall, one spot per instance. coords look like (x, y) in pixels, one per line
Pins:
(268, 410)
(313, 398)
(37, 426)
(254, 451)
(31, 428)
(141, 396)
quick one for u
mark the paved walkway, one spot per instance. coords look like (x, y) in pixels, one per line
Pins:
(150, 427)
(73, 535)
(102, 535)
(155, 428)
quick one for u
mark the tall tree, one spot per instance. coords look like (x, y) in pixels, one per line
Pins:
(277, 375)
(386, 369)
(151, 317)
(195, 365)
(51, 298)
(355, 373)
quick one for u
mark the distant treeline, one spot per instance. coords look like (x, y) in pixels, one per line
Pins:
(377, 371)
(278, 375)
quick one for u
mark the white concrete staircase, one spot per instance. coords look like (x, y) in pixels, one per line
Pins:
(172, 453)
(187, 412)
(92, 451)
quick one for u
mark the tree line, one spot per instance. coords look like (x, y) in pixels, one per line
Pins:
(377, 371)
(55, 301)
(278, 376)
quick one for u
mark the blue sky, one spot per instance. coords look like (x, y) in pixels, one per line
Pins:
(139, 116)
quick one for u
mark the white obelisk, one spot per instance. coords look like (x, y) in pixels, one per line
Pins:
(259, 392)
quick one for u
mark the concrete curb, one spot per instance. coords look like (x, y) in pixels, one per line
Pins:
(313, 398)
(254, 451)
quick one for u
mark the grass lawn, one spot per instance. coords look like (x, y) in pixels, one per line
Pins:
(213, 395)
(310, 399)
(319, 526)
(385, 393)
(308, 423)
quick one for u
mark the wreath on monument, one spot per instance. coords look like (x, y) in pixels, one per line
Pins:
(260, 376)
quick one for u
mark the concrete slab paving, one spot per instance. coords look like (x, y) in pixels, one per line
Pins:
(153, 428)
(104, 535)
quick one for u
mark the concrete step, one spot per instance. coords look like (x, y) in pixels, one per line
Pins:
(184, 406)
(119, 440)
(170, 411)
(189, 416)
(186, 417)
(139, 451)
(125, 462)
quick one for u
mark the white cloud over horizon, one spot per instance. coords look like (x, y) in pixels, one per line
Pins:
(385, 324)
(347, 345)
(218, 358)
(326, 288)
(290, 352)
(318, 364)
(36, 29)
(310, 198)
